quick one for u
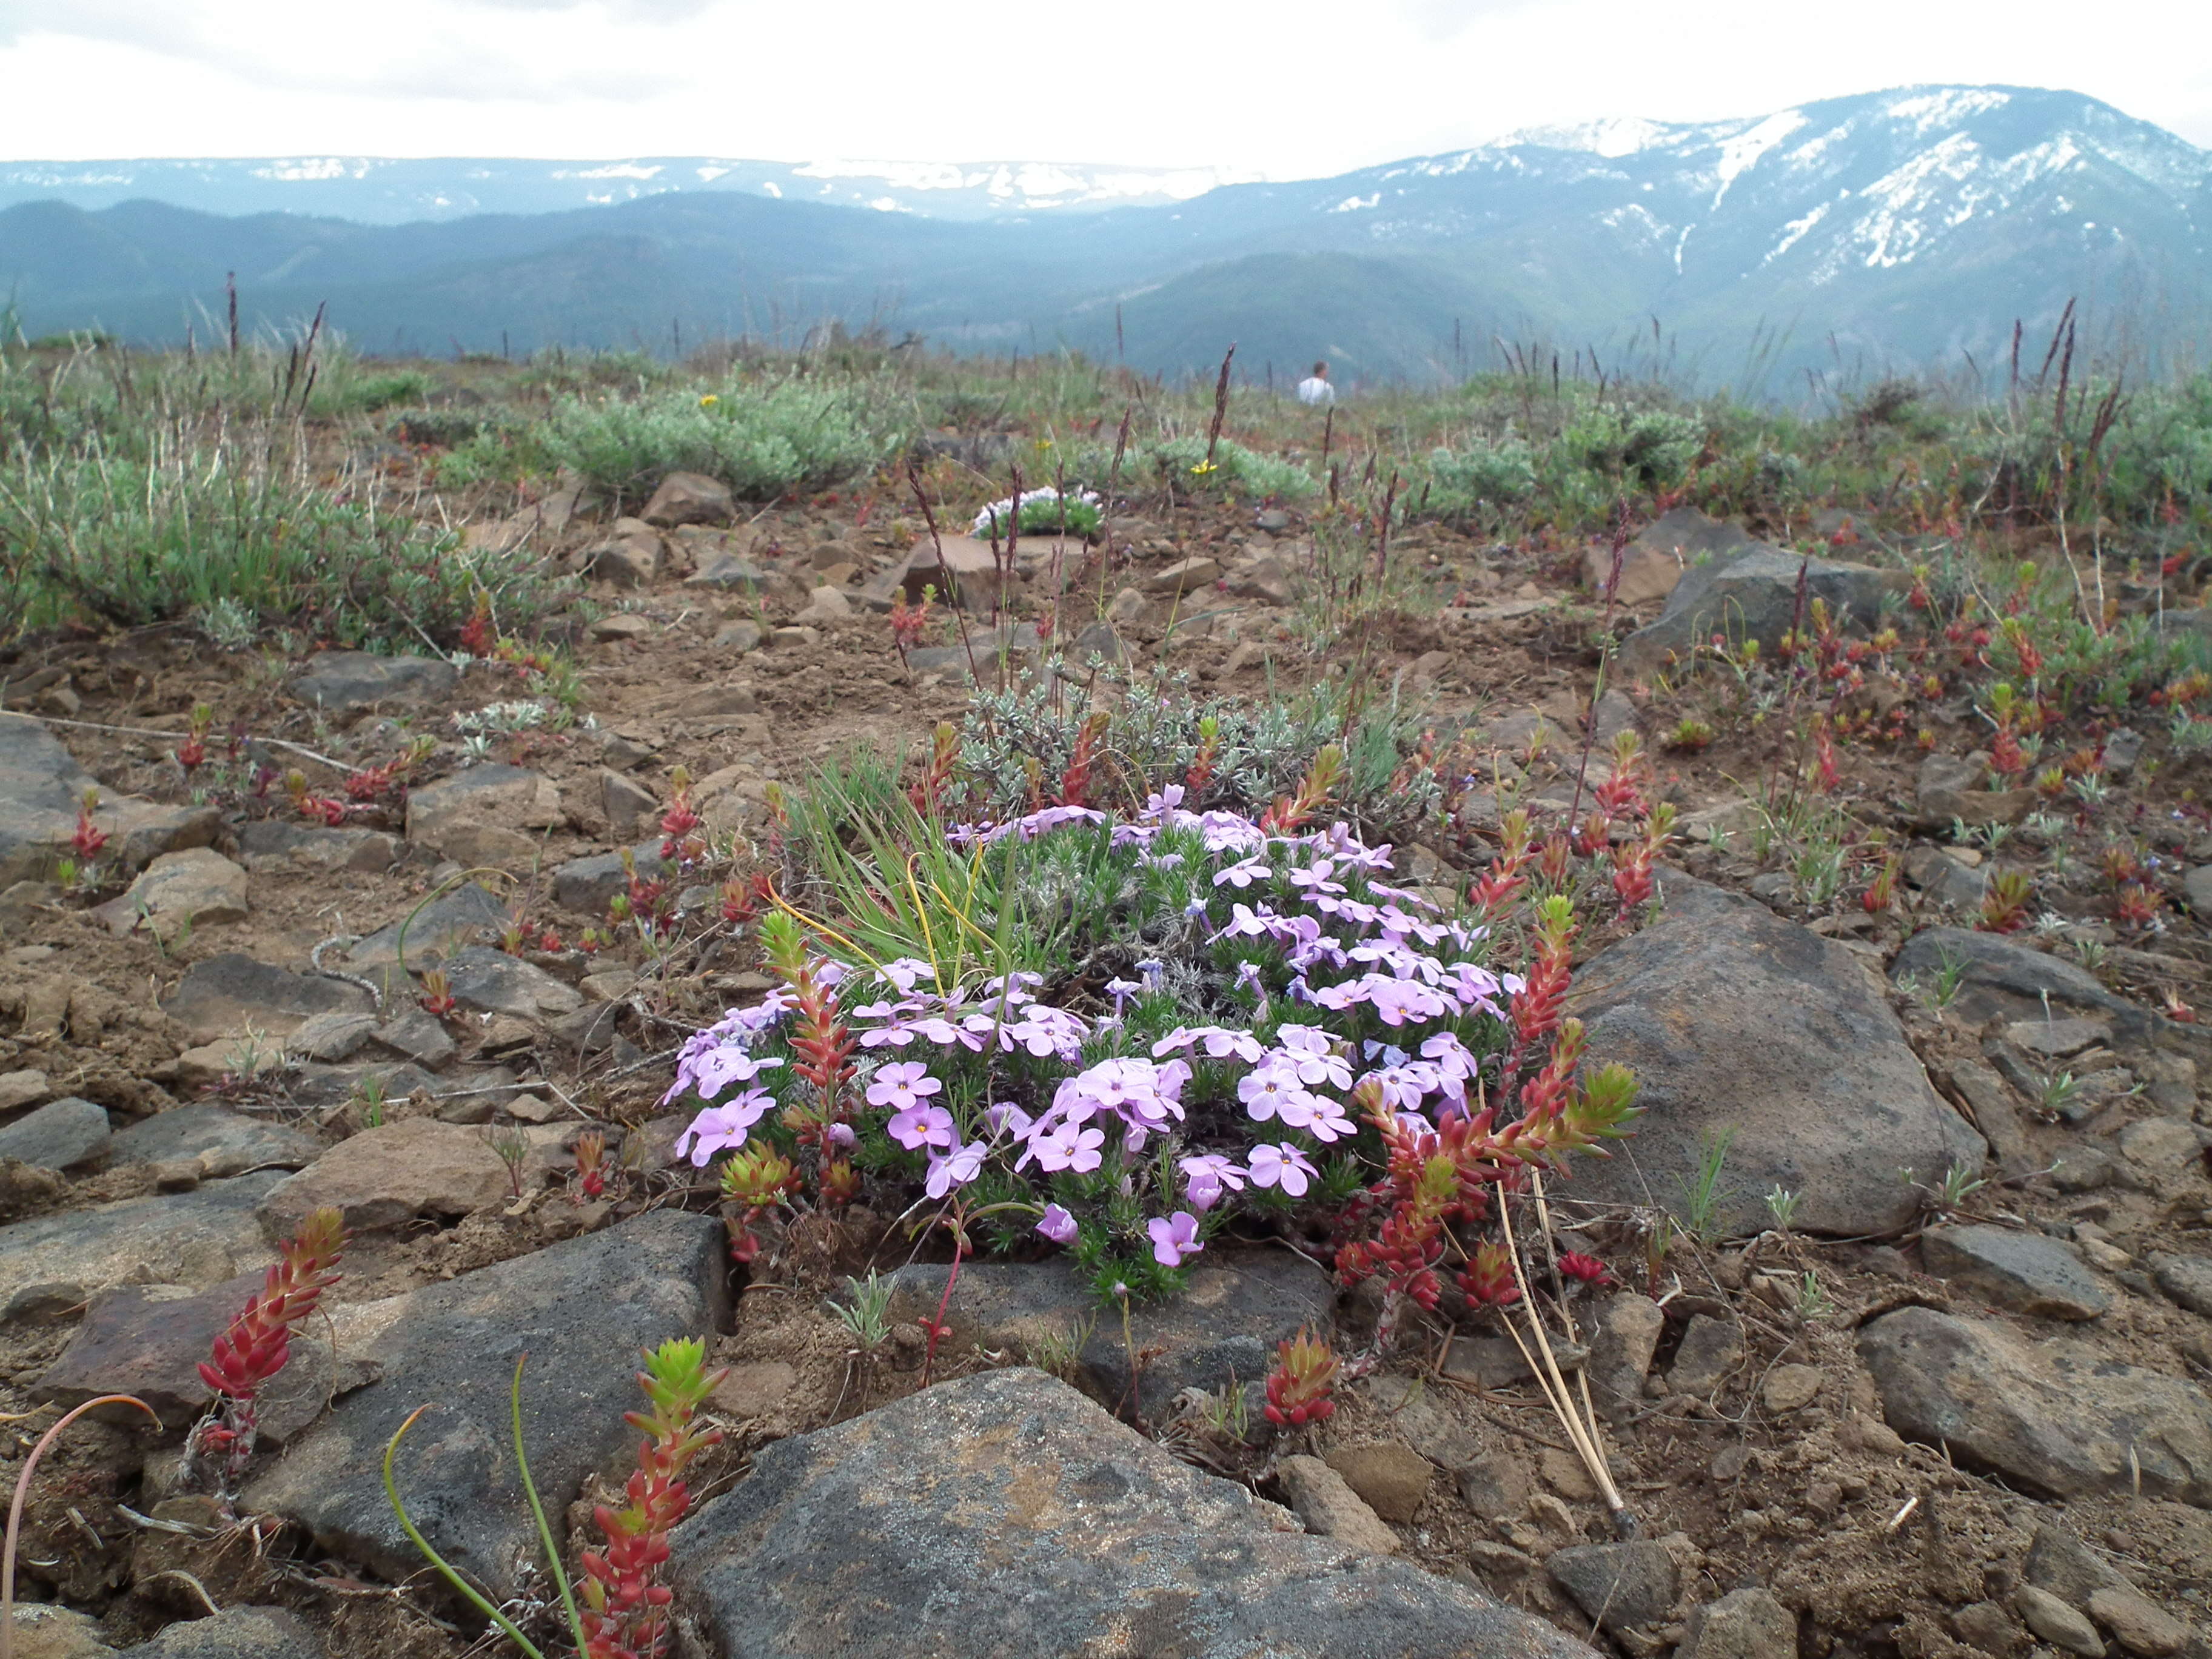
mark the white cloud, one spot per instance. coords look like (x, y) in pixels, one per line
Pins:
(1293, 88)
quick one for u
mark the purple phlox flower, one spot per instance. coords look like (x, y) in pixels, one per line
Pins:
(1310, 1053)
(832, 974)
(1242, 873)
(1329, 1120)
(1007, 1119)
(1173, 1237)
(921, 1125)
(1226, 832)
(1405, 1086)
(1165, 802)
(1414, 1124)
(1400, 925)
(1053, 818)
(1227, 1170)
(1196, 907)
(841, 1134)
(1315, 878)
(1353, 856)
(1388, 1053)
(1219, 1041)
(1397, 1000)
(889, 1037)
(1057, 1224)
(722, 1126)
(901, 1085)
(1247, 923)
(1351, 909)
(1150, 970)
(1399, 895)
(1159, 861)
(1474, 988)
(717, 1068)
(1076, 1147)
(955, 1168)
(1247, 976)
(1281, 1164)
(1121, 990)
(1132, 835)
(905, 971)
(1043, 1031)
(1273, 1090)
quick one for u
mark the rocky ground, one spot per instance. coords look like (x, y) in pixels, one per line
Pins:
(1926, 1416)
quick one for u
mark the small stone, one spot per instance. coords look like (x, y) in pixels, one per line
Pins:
(235, 1633)
(1791, 1387)
(1710, 1351)
(344, 682)
(215, 1140)
(1129, 608)
(1620, 1585)
(826, 606)
(738, 636)
(413, 1033)
(1181, 576)
(794, 636)
(621, 626)
(2187, 1279)
(2057, 1623)
(1391, 1478)
(631, 809)
(1629, 1327)
(492, 982)
(2061, 1563)
(1494, 1484)
(2137, 1623)
(1745, 1624)
(755, 1390)
(2025, 1272)
(630, 558)
(1329, 1507)
(2058, 1039)
(1500, 1564)
(45, 1631)
(689, 498)
(23, 1088)
(1564, 1473)
(60, 1135)
(386, 1177)
(1987, 1627)
(177, 891)
(331, 1038)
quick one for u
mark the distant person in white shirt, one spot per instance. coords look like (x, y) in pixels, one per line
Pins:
(1315, 391)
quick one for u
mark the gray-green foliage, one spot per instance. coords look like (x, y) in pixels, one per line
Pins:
(1235, 471)
(1262, 749)
(1466, 483)
(763, 439)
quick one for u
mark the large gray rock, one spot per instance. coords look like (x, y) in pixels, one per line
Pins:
(2058, 1418)
(485, 814)
(1734, 1019)
(386, 1177)
(1237, 1307)
(178, 892)
(221, 1141)
(343, 681)
(2003, 978)
(59, 1135)
(1752, 595)
(56, 1263)
(2025, 1272)
(433, 931)
(581, 1310)
(229, 994)
(235, 1633)
(1004, 1515)
(689, 498)
(482, 978)
(1621, 1586)
(42, 787)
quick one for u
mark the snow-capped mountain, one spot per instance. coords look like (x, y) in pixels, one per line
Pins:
(382, 189)
(1895, 229)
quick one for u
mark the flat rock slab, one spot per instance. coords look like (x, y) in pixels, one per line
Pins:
(57, 1263)
(296, 847)
(60, 1135)
(229, 994)
(581, 1310)
(1005, 1516)
(2058, 1418)
(343, 681)
(149, 1341)
(1238, 1306)
(176, 892)
(2001, 978)
(482, 978)
(386, 1178)
(221, 1141)
(1734, 1019)
(2025, 1272)
(42, 786)
(236, 1633)
(1622, 1586)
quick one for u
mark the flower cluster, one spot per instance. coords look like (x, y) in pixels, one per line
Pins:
(1341, 1020)
(1039, 508)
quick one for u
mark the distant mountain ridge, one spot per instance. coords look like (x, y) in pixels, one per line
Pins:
(386, 190)
(1897, 228)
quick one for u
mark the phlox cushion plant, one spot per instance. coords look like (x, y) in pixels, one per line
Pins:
(1206, 1021)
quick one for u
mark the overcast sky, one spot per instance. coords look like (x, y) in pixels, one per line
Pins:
(1286, 88)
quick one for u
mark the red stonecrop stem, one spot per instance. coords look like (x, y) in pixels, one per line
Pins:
(625, 1605)
(259, 1341)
